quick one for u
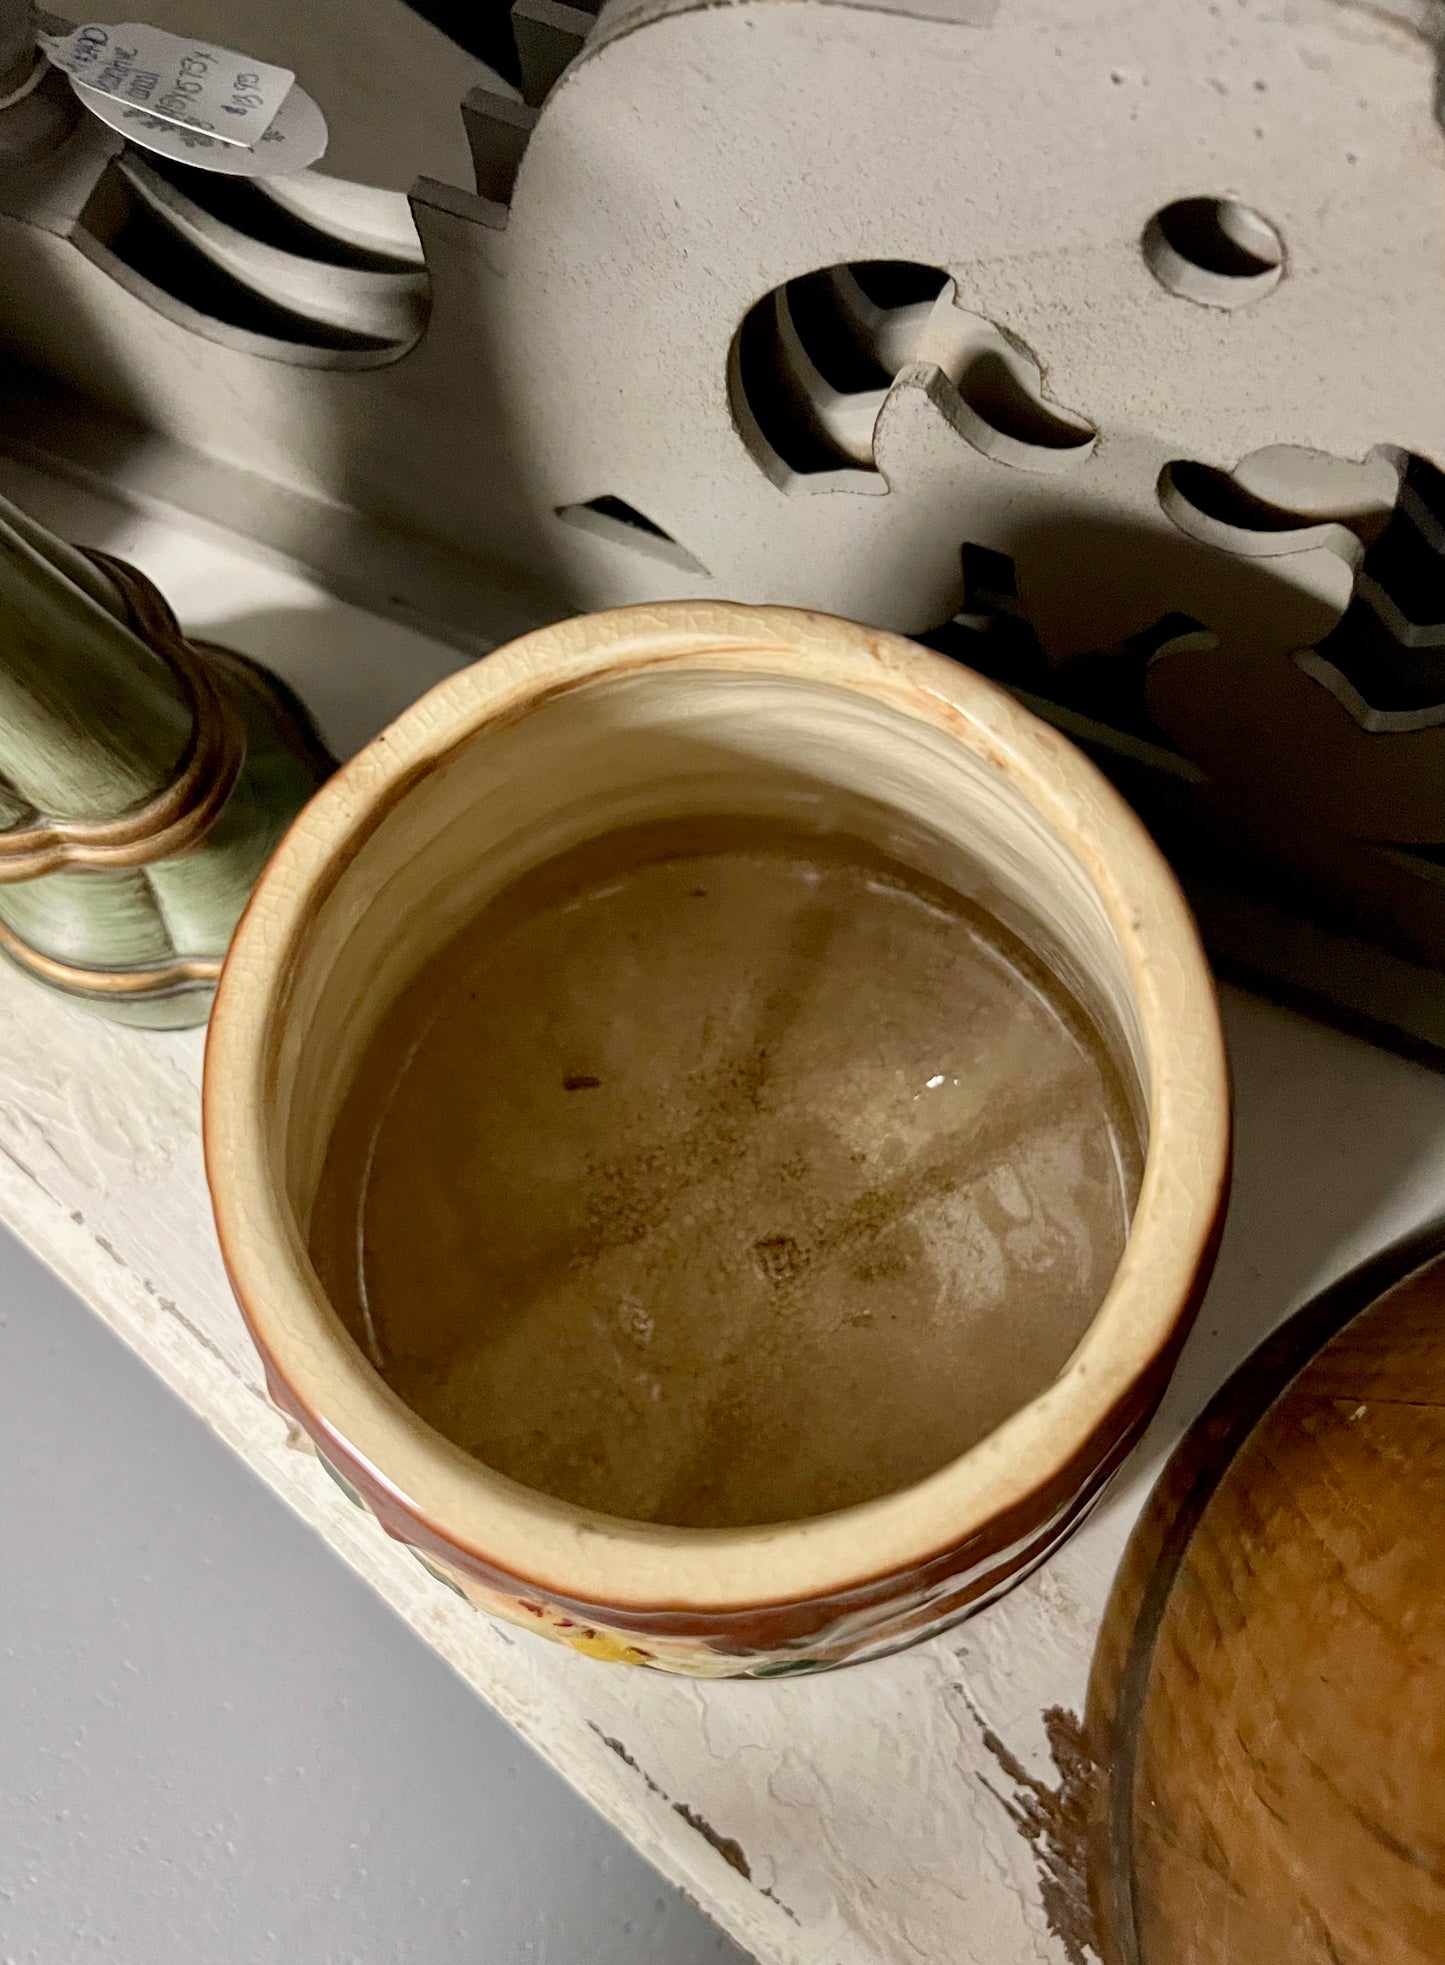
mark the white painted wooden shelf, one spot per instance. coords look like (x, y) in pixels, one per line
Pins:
(854, 1819)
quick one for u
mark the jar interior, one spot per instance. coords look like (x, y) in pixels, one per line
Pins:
(713, 1098)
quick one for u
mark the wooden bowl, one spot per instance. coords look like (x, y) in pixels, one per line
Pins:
(644, 713)
(1267, 1701)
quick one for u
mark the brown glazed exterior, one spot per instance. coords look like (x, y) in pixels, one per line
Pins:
(541, 736)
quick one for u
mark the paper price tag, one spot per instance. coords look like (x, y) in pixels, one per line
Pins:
(229, 97)
(296, 138)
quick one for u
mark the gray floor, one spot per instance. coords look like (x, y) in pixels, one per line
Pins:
(218, 1748)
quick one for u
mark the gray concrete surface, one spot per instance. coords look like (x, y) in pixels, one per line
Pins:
(218, 1748)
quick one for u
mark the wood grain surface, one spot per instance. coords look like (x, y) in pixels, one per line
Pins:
(1270, 1689)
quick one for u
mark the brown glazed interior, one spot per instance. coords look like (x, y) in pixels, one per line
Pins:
(724, 1172)
(715, 718)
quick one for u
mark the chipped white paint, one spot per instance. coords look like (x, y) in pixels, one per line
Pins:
(864, 1806)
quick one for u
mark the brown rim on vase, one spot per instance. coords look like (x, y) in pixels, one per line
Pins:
(1010, 1484)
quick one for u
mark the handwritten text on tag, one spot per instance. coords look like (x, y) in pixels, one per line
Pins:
(233, 98)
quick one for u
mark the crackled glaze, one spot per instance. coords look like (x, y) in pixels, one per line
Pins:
(618, 719)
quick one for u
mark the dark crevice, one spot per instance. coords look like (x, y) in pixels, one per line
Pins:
(247, 206)
(1218, 495)
(141, 238)
(993, 391)
(1401, 575)
(625, 514)
(898, 282)
(836, 344)
(990, 580)
(781, 411)
(839, 341)
(149, 247)
(481, 27)
(857, 328)
(611, 517)
(1219, 236)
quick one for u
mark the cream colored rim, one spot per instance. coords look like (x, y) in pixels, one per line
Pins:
(595, 1558)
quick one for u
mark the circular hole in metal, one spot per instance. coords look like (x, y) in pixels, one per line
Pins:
(1217, 251)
